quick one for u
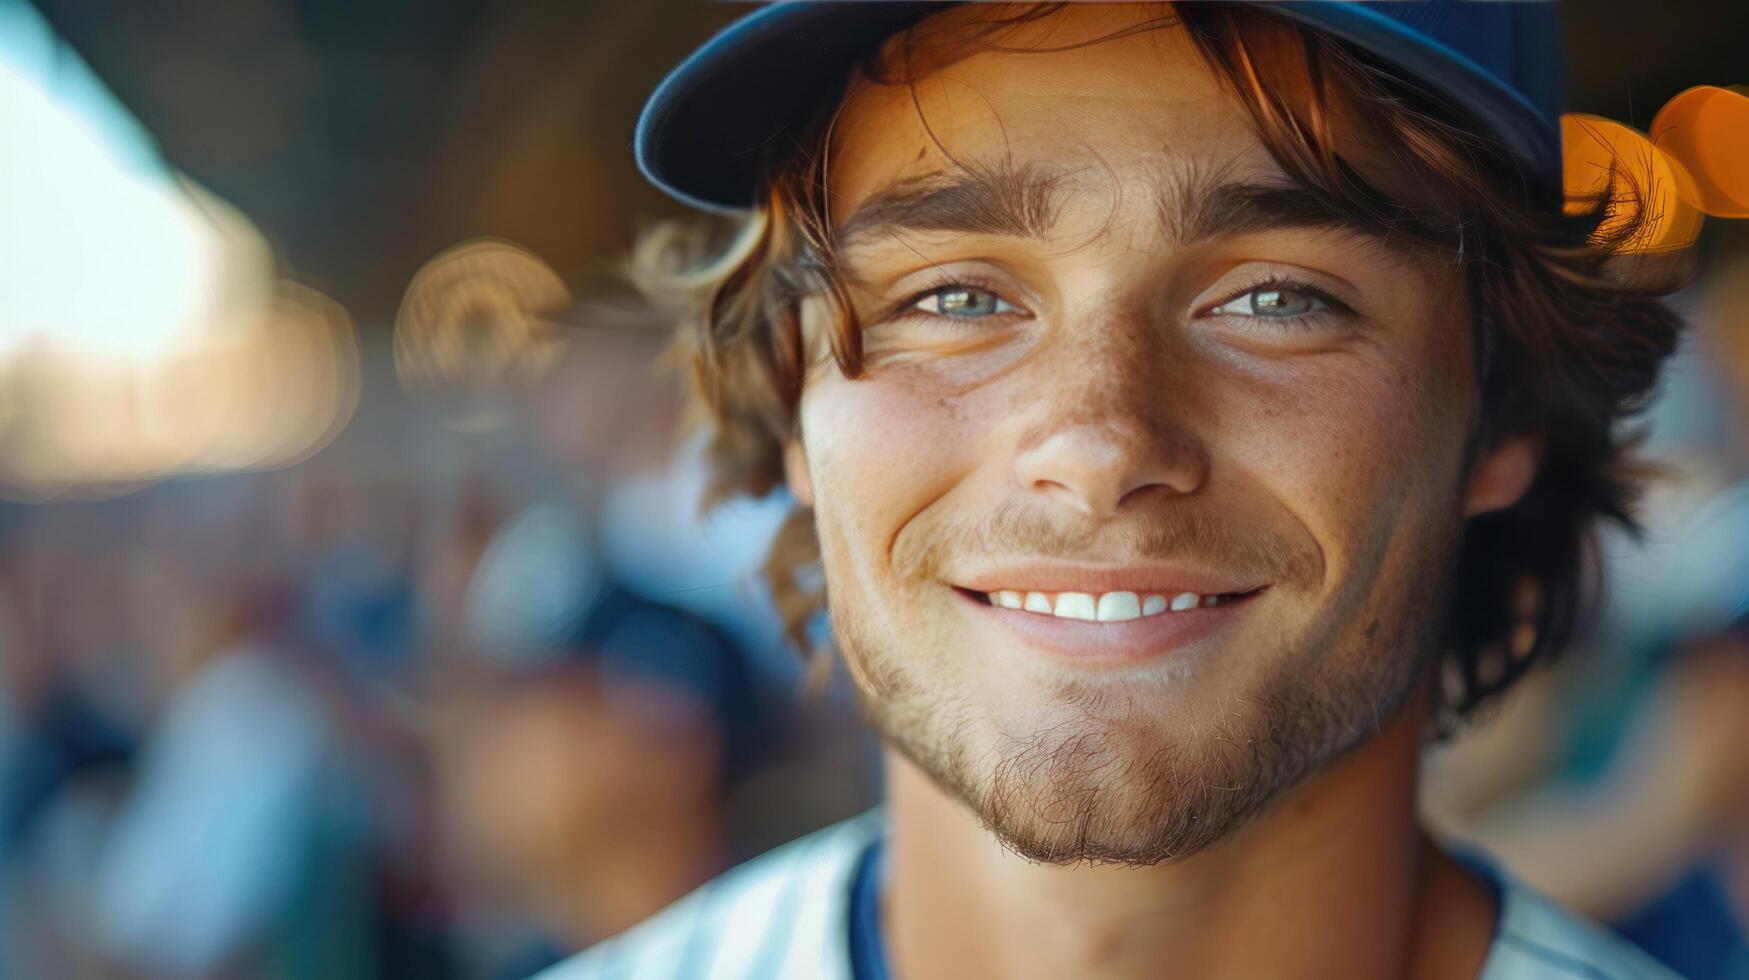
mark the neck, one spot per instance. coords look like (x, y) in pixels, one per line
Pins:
(1334, 879)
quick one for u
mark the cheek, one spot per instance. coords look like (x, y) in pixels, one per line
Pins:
(1350, 446)
(880, 450)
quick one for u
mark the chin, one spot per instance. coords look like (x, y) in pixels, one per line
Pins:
(1106, 769)
(1104, 789)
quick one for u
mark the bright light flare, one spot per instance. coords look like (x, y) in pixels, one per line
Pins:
(270, 384)
(100, 254)
(141, 332)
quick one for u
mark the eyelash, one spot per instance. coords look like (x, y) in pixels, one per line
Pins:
(908, 307)
(1331, 305)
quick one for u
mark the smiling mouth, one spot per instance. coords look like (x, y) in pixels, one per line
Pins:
(1104, 607)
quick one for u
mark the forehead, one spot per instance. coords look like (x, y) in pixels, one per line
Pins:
(1110, 94)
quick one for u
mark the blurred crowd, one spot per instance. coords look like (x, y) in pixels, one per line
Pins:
(433, 703)
(460, 679)
(1617, 780)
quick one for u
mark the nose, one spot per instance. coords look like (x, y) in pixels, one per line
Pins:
(1116, 442)
(1095, 466)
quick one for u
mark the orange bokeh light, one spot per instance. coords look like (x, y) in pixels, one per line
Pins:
(1598, 153)
(1706, 129)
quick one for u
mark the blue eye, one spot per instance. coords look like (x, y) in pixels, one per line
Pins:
(1279, 302)
(962, 302)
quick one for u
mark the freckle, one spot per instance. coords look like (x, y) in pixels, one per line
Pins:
(1372, 629)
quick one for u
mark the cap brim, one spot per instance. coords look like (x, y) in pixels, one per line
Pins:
(709, 126)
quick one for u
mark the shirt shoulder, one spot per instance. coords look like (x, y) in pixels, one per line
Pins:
(782, 915)
(1538, 938)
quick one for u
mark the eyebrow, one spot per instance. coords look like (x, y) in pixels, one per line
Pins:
(1205, 206)
(1191, 207)
(1015, 203)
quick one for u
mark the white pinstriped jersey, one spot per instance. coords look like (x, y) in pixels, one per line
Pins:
(786, 916)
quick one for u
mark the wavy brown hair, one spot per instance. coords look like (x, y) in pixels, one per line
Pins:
(1568, 341)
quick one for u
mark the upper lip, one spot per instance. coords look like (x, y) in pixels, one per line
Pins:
(1160, 578)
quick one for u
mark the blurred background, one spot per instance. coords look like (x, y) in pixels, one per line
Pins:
(356, 616)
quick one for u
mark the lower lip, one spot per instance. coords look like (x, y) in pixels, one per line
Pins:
(1125, 641)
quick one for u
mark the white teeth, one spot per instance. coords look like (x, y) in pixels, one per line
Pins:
(1075, 605)
(1109, 607)
(1115, 607)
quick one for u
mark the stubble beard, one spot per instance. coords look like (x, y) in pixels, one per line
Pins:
(1106, 786)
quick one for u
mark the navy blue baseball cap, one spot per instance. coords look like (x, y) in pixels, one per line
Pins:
(711, 123)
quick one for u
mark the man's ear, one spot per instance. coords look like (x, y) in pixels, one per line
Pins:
(1502, 474)
(795, 472)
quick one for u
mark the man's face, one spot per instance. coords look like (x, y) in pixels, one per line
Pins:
(1212, 450)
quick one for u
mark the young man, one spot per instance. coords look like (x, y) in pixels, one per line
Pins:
(1191, 409)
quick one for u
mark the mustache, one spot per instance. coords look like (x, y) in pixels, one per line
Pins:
(1232, 545)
